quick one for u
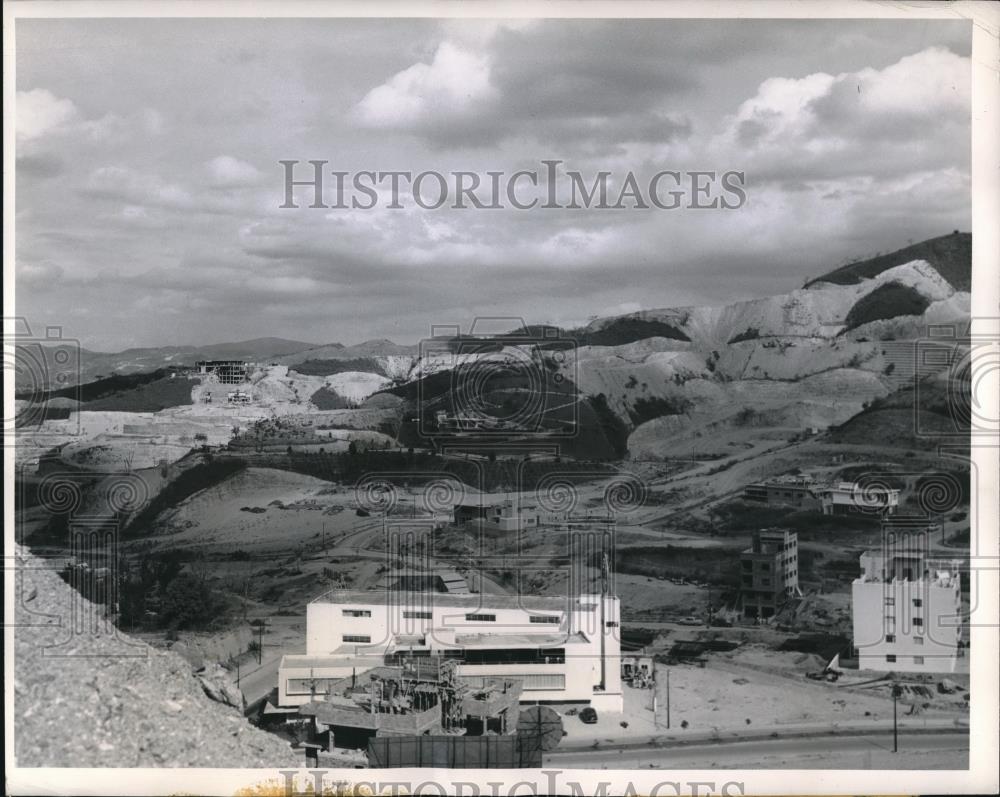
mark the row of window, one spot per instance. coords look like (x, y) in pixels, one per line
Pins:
(917, 602)
(916, 621)
(916, 659)
(917, 640)
(552, 619)
(356, 638)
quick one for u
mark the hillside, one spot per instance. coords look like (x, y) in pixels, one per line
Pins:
(110, 700)
(950, 255)
(45, 366)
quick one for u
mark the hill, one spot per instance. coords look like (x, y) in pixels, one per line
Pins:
(43, 366)
(950, 255)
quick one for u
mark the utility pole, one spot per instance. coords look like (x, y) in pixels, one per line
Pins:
(668, 697)
(896, 690)
(260, 643)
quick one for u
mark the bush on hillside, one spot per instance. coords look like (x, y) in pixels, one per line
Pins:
(887, 301)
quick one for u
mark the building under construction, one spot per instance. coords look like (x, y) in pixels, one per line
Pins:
(228, 372)
(417, 698)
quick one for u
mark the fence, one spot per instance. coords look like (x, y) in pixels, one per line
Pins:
(455, 752)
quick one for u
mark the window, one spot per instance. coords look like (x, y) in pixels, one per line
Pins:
(355, 613)
(890, 618)
(545, 618)
(611, 624)
(890, 637)
(890, 601)
(306, 686)
(918, 659)
(356, 638)
(890, 658)
(481, 618)
(414, 615)
(918, 640)
(917, 602)
(918, 621)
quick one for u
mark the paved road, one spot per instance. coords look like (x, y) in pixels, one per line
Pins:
(916, 751)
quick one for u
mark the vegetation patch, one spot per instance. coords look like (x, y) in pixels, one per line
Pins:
(150, 392)
(750, 333)
(327, 399)
(198, 477)
(330, 367)
(887, 301)
(646, 409)
(950, 255)
(713, 565)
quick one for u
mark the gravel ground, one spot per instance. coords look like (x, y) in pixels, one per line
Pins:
(103, 699)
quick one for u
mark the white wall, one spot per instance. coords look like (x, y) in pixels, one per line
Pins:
(935, 640)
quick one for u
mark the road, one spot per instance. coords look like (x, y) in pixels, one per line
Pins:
(870, 751)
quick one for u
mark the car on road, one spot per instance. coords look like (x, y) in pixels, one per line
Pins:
(689, 620)
(588, 715)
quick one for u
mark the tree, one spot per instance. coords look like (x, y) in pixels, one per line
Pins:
(187, 601)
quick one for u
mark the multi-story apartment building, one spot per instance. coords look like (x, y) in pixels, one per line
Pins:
(906, 611)
(560, 649)
(769, 573)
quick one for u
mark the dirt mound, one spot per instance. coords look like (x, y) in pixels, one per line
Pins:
(107, 700)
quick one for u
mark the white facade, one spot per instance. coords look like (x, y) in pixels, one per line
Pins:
(907, 621)
(561, 649)
(848, 497)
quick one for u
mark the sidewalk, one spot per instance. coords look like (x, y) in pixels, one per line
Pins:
(678, 737)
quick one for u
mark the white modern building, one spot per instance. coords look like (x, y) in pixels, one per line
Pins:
(907, 612)
(561, 649)
(848, 498)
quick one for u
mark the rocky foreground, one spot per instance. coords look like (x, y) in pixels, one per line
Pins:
(87, 696)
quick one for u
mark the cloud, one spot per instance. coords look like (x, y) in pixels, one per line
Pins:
(450, 88)
(40, 112)
(909, 117)
(228, 172)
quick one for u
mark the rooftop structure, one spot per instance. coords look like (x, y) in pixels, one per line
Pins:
(408, 700)
(906, 609)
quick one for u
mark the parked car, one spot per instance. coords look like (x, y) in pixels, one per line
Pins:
(689, 620)
(588, 715)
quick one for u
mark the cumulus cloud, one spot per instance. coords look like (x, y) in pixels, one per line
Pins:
(39, 112)
(451, 87)
(910, 116)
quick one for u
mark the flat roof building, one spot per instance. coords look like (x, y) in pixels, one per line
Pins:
(906, 609)
(559, 649)
(769, 573)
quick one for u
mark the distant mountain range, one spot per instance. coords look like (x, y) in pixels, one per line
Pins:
(809, 312)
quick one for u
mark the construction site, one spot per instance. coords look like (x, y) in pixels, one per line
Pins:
(421, 697)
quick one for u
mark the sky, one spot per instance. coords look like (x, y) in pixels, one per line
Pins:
(148, 182)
